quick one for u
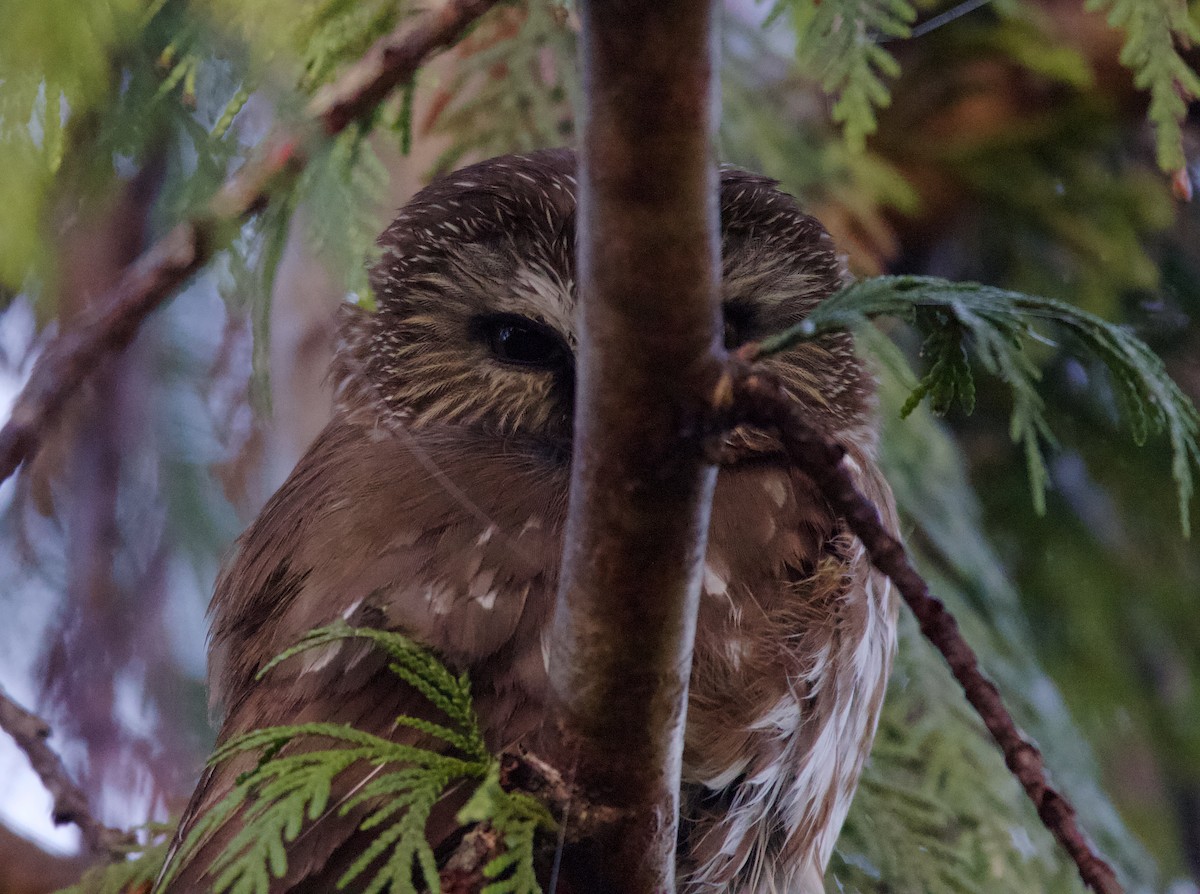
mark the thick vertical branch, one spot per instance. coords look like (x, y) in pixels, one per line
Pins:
(641, 488)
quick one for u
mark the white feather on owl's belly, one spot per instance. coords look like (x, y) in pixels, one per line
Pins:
(804, 714)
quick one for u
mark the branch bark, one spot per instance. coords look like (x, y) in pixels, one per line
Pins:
(749, 396)
(641, 486)
(166, 265)
(30, 732)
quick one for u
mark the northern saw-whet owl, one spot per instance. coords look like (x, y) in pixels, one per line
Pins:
(434, 504)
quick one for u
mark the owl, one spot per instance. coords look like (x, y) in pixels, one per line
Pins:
(434, 504)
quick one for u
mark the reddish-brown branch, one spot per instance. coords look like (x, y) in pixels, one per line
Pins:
(391, 62)
(641, 486)
(751, 397)
(30, 732)
(156, 275)
(107, 326)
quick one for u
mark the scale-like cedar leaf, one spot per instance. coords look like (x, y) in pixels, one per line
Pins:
(995, 325)
(287, 790)
(839, 41)
(1154, 32)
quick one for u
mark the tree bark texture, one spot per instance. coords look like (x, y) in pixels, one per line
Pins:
(642, 486)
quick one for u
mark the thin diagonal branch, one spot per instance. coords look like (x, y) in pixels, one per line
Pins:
(107, 326)
(30, 732)
(155, 276)
(751, 397)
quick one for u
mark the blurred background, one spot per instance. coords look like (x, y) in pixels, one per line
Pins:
(1016, 150)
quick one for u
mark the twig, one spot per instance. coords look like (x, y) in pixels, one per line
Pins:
(750, 396)
(154, 277)
(30, 732)
(108, 325)
(391, 62)
(463, 872)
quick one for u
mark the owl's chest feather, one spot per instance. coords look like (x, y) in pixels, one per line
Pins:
(793, 643)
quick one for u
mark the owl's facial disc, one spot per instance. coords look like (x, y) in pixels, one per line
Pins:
(477, 322)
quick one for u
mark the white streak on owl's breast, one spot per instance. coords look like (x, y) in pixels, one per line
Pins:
(828, 648)
(714, 583)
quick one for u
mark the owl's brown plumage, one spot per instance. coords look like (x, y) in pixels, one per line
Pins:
(434, 504)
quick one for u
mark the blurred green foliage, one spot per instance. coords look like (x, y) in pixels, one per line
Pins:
(1008, 146)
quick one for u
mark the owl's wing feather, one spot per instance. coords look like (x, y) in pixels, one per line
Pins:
(421, 565)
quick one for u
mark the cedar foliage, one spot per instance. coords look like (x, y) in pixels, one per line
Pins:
(1057, 197)
(288, 789)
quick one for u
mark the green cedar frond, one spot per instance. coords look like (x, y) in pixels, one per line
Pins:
(404, 840)
(285, 792)
(516, 89)
(449, 692)
(345, 182)
(1155, 30)
(341, 31)
(288, 789)
(144, 862)
(839, 41)
(236, 103)
(996, 325)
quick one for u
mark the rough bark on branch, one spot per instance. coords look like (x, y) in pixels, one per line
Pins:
(155, 276)
(30, 732)
(751, 397)
(641, 486)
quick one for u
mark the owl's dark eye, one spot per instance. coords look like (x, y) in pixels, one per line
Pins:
(522, 341)
(739, 321)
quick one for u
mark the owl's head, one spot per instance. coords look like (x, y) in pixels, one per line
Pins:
(476, 326)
